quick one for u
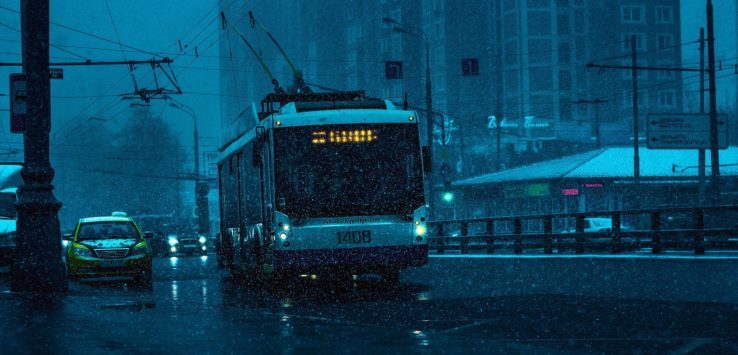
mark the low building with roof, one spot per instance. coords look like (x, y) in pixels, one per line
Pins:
(598, 180)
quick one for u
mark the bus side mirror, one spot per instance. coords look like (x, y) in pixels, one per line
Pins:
(148, 235)
(425, 151)
(67, 236)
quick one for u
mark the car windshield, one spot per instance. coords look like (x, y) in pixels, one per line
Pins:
(7, 206)
(108, 230)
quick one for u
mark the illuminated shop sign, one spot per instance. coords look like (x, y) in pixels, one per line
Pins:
(570, 192)
(527, 122)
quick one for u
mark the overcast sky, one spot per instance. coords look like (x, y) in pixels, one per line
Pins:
(151, 26)
(156, 26)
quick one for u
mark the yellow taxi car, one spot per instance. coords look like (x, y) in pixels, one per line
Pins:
(108, 246)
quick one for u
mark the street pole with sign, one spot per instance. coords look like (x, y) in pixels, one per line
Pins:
(37, 266)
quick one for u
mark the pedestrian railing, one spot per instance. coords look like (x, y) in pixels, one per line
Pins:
(664, 229)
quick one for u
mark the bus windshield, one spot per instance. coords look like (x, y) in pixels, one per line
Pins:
(348, 170)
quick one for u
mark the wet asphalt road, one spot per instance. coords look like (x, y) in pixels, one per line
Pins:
(195, 308)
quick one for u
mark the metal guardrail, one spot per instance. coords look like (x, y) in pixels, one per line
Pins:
(539, 233)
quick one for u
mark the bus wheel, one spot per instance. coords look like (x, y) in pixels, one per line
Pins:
(219, 256)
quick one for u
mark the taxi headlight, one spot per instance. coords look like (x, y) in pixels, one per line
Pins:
(202, 240)
(139, 249)
(82, 251)
(173, 241)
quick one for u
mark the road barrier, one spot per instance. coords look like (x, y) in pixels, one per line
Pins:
(664, 229)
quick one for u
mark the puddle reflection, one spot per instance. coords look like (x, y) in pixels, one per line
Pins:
(204, 290)
(175, 291)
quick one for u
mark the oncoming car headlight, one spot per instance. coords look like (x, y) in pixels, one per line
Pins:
(82, 251)
(172, 241)
(202, 240)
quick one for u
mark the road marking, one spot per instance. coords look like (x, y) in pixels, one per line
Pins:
(692, 346)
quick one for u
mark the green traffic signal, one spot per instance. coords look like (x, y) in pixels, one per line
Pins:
(448, 196)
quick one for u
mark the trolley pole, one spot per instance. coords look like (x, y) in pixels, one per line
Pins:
(37, 266)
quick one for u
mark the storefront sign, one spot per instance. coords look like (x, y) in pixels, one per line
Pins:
(526, 190)
(526, 122)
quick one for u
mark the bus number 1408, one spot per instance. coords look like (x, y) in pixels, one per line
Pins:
(354, 237)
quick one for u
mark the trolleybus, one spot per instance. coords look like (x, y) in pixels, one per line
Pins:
(324, 183)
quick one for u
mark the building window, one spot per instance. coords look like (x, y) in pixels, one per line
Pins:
(353, 33)
(666, 98)
(440, 58)
(469, 66)
(640, 41)
(665, 74)
(393, 70)
(664, 14)
(664, 41)
(352, 57)
(384, 45)
(628, 98)
(396, 44)
(632, 14)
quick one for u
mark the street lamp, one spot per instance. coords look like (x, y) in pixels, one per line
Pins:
(201, 188)
(418, 33)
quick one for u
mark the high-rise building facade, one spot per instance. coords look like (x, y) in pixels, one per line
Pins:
(516, 64)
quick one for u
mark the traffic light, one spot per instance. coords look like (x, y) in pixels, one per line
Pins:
(448, 193)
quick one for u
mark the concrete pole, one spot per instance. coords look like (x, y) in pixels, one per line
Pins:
(429, 123)
(38, 264)
(714, 152)
(634, 75)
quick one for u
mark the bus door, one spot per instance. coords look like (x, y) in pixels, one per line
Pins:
(263, 158)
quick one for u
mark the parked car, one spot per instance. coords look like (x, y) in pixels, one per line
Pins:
(10, 179)
(598, 224)
(8, 218)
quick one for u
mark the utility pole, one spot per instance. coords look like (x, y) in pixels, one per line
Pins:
(701, 164)
(201, 187)
(498, 100)
(38, 265)
(714, 152)
(634, 75)
(596, 126)
(419, 33)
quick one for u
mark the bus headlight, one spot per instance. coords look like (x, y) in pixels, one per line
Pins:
(283, 236)
(420, 230)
